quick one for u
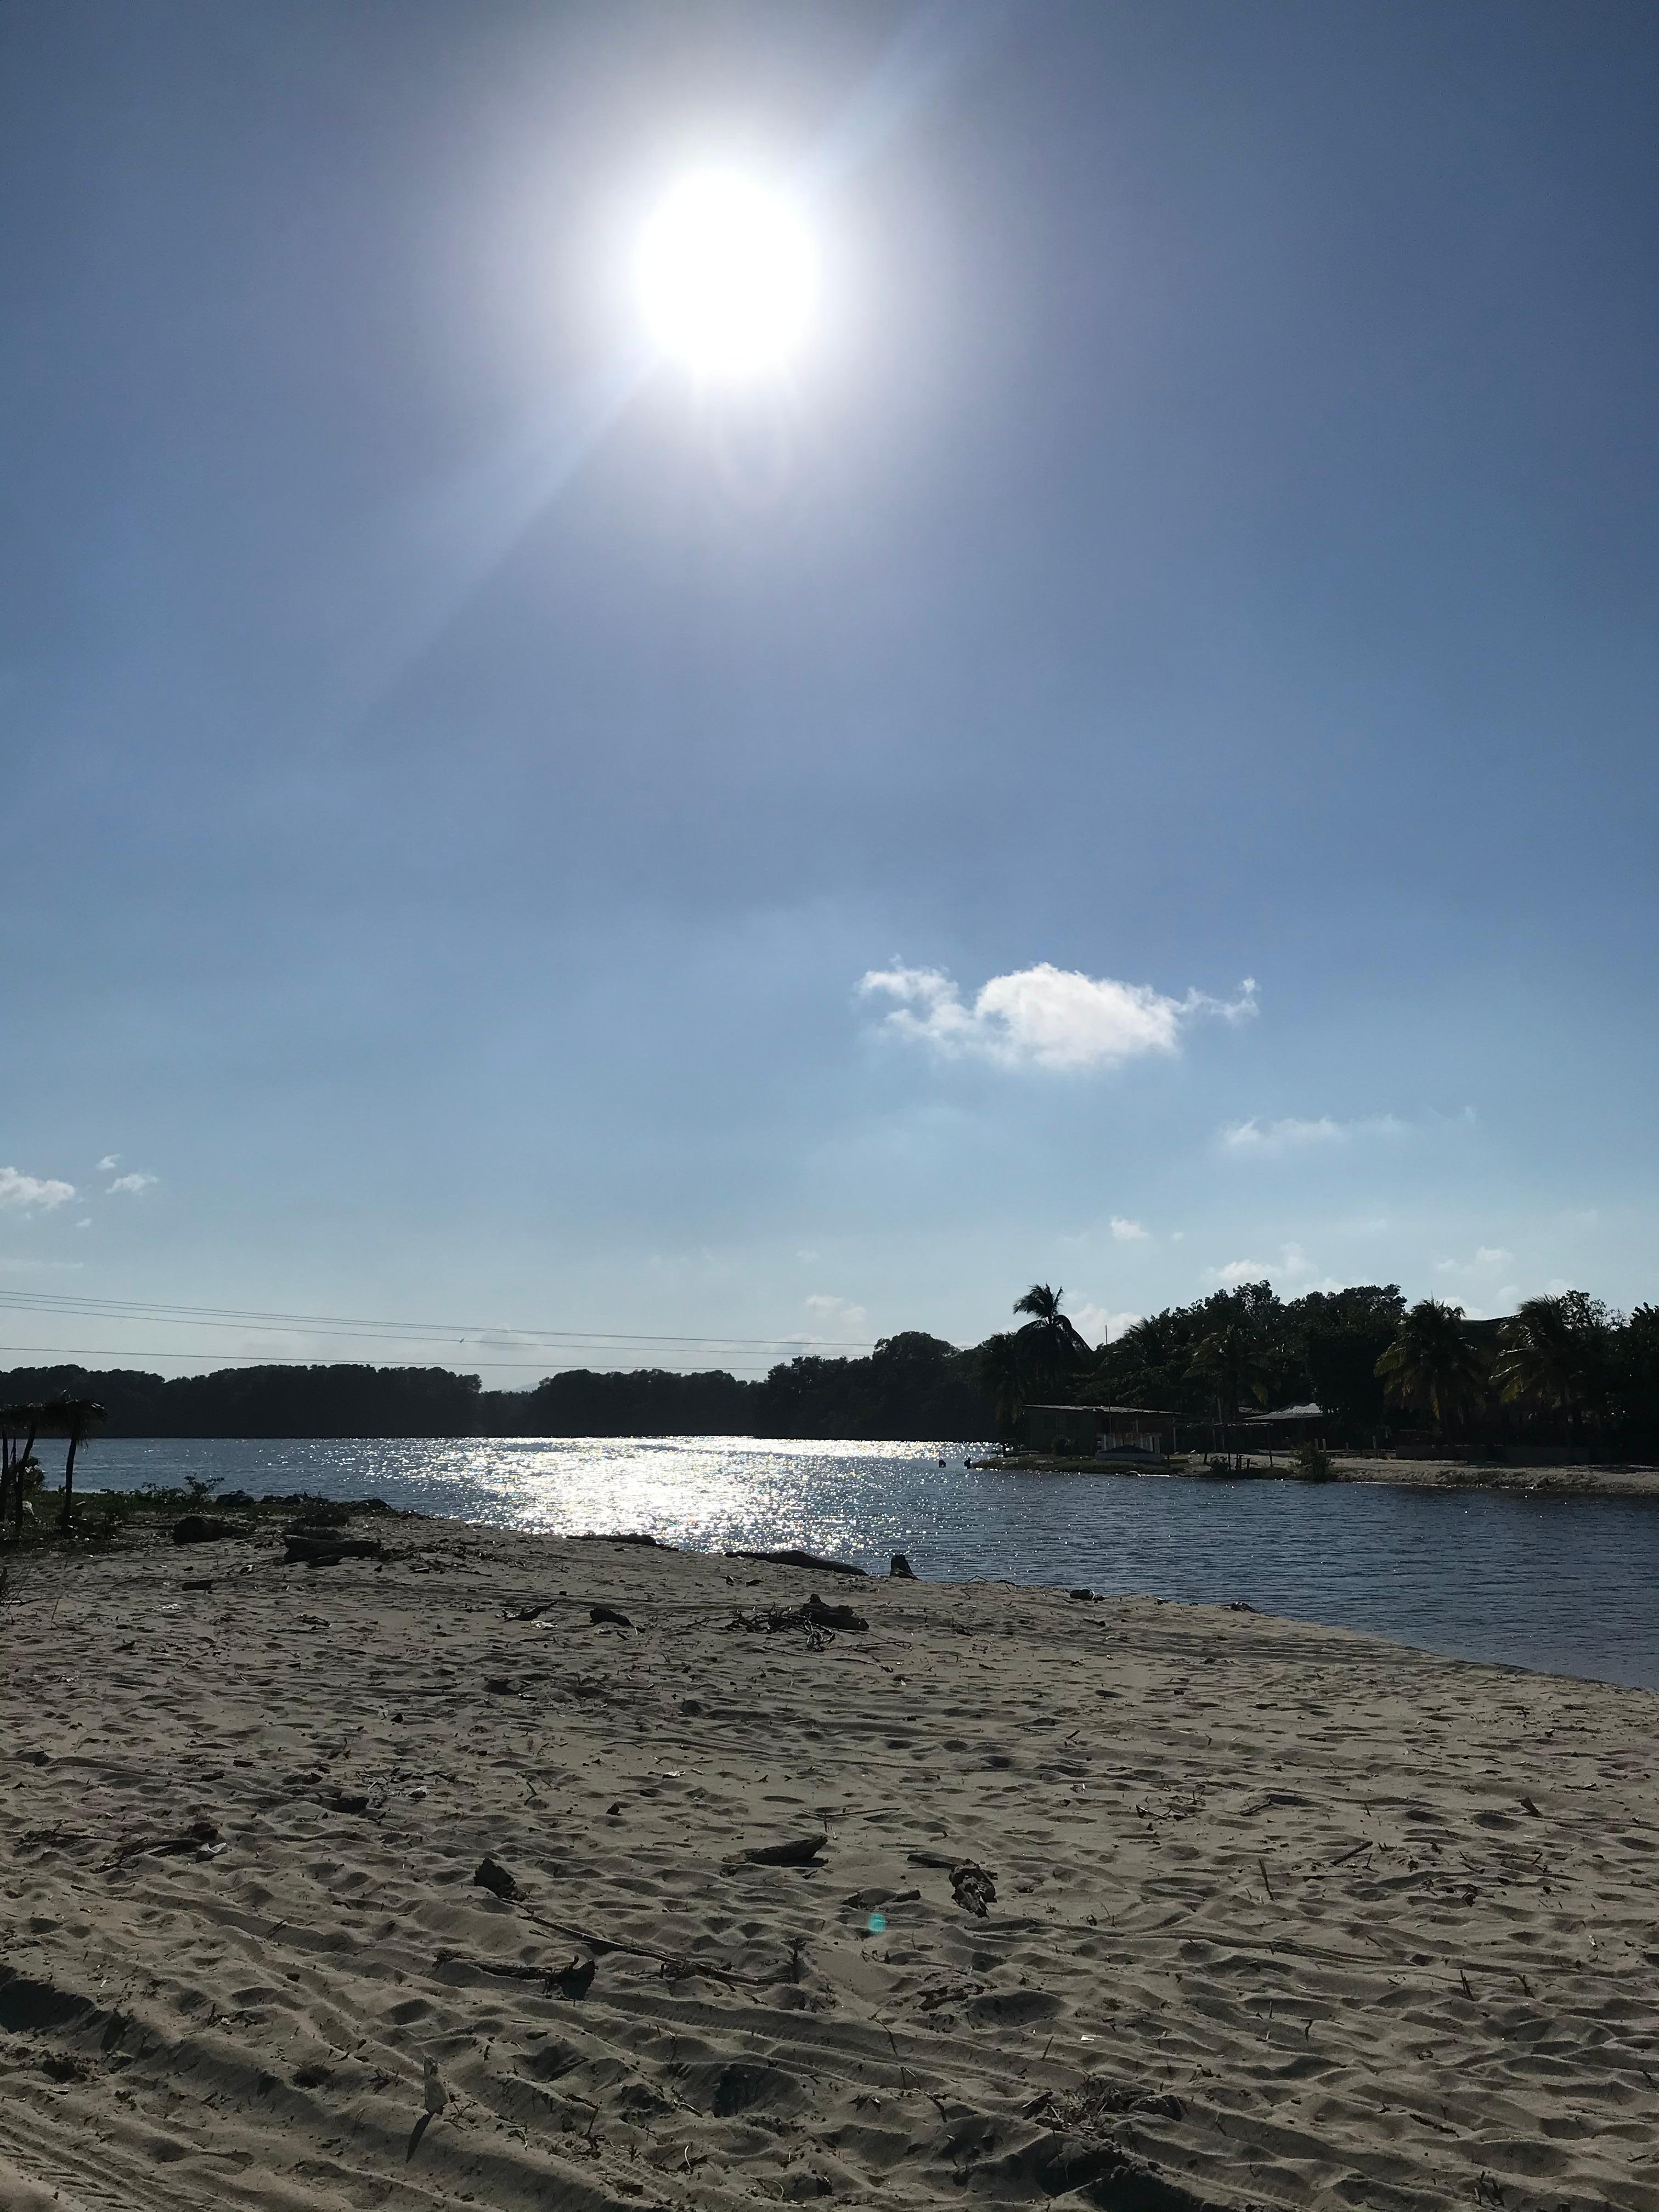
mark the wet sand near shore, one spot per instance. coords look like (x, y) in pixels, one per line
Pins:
(1282, 1916)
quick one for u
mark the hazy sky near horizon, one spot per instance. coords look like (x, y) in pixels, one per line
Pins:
(1133, 764)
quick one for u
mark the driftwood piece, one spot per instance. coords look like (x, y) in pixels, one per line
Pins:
(329, 1551)
(599, 1614)
(811, 1560)
(1090, 2109)
(815, 1616)
(678, 1960)
(820, 1615)
(201, 1835)
(494, 1876)
(973, 1888)
(800, 1850)
(573, 1980)
(973, 1885)
(203, 1528)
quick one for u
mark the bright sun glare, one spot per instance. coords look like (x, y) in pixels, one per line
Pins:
(726, 277)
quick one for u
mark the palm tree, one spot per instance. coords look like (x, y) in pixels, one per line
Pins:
(16, 1458)
(1432, 1364)
(1552, 1354)
(1054, 1345)
(1152, 1341)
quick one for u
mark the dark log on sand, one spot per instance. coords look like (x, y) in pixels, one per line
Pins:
(794, 1558)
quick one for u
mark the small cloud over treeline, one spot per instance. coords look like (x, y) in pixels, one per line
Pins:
(1044, 1017)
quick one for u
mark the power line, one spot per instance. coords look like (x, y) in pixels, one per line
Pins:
(54, 1356)
(346, 1324)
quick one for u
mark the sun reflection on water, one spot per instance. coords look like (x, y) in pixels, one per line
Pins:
(1564, 1584)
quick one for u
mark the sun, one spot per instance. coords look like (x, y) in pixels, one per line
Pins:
(727, 277)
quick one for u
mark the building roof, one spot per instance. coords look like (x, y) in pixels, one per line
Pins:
(56, 1418)
(1158, 1412)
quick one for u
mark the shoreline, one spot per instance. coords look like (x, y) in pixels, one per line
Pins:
(1283, 1916)
(1608, 1480)
(1570, 1599)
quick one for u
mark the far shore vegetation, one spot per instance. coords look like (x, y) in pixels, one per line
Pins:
(1564, 1373)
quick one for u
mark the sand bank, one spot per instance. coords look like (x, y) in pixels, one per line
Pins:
(1282, 1916)
(1608, 1481)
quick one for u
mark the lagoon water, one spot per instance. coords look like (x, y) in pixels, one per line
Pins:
(1569, 1586)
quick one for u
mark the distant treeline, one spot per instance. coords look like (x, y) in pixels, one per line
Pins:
(1560, 1370)
(910, 1386)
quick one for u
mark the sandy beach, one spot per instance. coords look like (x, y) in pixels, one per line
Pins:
(1273, 1916)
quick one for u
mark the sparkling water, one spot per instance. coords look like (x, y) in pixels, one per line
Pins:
(1566, 1585)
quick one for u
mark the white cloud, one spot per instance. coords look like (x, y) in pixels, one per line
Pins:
(1259, 1137)
(1476, 1284)
(25, 1194)
(1044, 1016)
(134, 1183)
(108, 1164)
(1489, 1259)
(1298, 1273)
(1293, 1271)
(837, 1318)
(1236, 1272)
(1101, 1325)
(1128, 1232)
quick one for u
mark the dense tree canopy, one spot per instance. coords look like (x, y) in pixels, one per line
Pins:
(1562, 1370)
(1252, 1347)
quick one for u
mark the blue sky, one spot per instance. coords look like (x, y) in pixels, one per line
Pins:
(459, 774)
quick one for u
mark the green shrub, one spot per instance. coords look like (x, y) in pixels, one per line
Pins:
(110, 1509)
(1313, 1463)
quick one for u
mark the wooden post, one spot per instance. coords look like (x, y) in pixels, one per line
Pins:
(18, 1466)
(68, 1478)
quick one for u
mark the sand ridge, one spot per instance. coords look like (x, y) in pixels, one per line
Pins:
(1283, 1916)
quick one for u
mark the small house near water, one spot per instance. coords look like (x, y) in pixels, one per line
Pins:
(1124, 1432)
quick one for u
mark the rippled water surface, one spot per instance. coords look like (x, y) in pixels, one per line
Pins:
(1568, 1585)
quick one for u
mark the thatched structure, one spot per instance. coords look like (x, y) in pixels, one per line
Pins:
(22, 1427)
